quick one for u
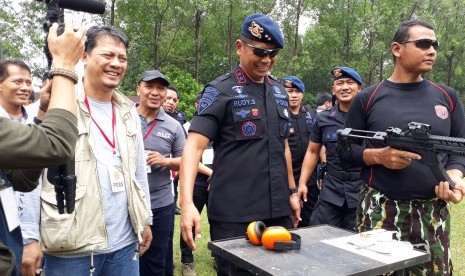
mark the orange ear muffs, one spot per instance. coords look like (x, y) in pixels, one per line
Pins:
(254, 232)
(272, 238)
(273, 234)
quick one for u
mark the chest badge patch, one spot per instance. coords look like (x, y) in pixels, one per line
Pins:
(441, 111)
(243, 113)
(249, 129)
(238, 89)
(255, 112)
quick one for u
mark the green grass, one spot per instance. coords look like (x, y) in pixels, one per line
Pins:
(204, 261)
(458, 238)
(202, 256)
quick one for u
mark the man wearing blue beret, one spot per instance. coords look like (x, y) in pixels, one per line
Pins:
(246, 115)
(338, 199)
(301, 124)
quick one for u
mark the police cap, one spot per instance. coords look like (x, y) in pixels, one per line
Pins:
(293, 82)
(260, 27)
(346, 72)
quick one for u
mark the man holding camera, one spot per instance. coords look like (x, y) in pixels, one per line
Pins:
(55, 137)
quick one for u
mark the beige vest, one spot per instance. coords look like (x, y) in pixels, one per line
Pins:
(84, 229)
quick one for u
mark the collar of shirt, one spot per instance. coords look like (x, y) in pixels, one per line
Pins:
(5, 114)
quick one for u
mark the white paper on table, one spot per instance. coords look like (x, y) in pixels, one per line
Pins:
(380, 250)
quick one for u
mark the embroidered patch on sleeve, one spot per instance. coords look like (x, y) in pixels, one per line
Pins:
(210, 95)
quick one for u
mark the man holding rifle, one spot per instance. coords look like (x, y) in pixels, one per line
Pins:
(400, 193)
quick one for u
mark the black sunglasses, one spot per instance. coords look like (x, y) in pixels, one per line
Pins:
(424, 43)
(260, 52)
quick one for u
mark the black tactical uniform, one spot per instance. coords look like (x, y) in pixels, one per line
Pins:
(299, 135)
(248, 123)
(342, 183)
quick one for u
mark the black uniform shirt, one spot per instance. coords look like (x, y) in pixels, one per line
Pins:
(180, 117)
(299, 135)
(248, 123)
(395, 105)
(334, 189)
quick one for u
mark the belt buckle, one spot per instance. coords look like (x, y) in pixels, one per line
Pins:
(345, 176)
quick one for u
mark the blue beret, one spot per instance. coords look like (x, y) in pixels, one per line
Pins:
(293, 82)
(260, 27)
(346, 72)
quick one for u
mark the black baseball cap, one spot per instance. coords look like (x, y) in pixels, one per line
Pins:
(152, 75)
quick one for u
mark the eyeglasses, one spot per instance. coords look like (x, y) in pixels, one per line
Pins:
(260, 52)
(424, 43)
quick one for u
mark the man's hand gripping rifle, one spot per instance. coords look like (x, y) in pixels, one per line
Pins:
(418, 139)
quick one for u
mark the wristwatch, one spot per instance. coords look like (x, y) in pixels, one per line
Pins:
(293, 190)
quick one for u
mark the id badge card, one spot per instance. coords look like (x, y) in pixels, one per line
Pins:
(148, 168)
(116, 177)
(8, 200)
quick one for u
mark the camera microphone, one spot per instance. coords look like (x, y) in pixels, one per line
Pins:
(89, 6)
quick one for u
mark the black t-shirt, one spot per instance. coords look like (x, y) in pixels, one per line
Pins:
(334, 189)
(390, 104)
(248, 123)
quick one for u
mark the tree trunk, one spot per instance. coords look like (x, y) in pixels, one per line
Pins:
(112, 13)
(230, 37)
(299, 11)
(198, 23)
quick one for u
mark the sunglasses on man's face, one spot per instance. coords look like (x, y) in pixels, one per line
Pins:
(260, 52)
(424, 43)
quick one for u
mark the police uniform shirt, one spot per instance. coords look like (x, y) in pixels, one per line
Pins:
(167, 138)
(299, 134)
(390, 104)
(334, 189)
(179, 116)
(248, 123)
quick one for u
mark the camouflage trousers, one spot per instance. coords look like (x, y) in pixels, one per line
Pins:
(423, 223)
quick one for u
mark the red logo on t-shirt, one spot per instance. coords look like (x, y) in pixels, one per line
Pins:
(441, 111)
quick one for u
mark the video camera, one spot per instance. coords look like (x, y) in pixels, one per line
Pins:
(63, 177)
(55, 15)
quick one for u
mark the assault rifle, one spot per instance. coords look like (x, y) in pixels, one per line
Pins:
(418, 139)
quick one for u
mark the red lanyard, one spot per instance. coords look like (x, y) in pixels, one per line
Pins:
(113, 122)
(155, 121)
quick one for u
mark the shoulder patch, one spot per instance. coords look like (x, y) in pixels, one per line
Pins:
(209, 96)
(220, 79)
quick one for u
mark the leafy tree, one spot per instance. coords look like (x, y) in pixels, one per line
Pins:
(188, 88)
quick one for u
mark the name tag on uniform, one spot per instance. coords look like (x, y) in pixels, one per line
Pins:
(116, 176)
(10, 209)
